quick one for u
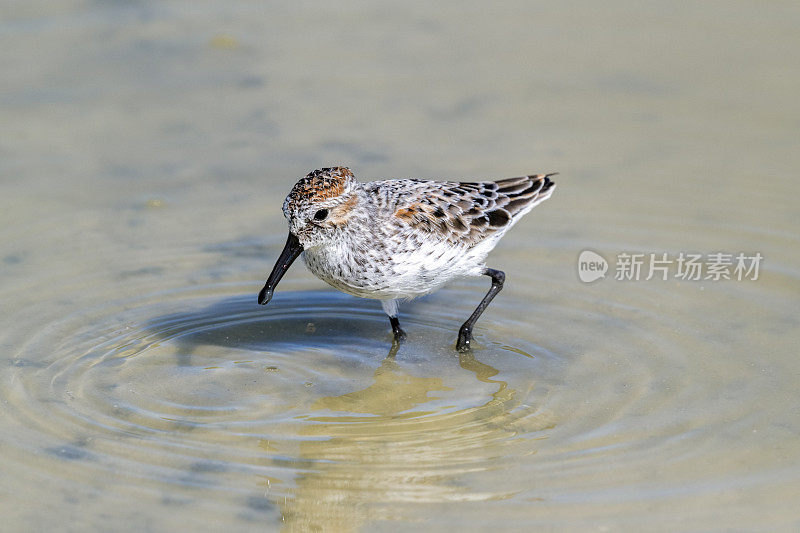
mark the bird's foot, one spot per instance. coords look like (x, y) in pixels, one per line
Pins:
(399, 335)
(464, 340)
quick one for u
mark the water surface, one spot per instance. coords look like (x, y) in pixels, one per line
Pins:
(145, 153)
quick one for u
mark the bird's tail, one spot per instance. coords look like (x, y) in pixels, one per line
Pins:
(525, 192)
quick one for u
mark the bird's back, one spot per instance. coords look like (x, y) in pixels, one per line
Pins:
(464, 214)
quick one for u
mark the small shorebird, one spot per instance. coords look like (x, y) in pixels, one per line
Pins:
(399, 239)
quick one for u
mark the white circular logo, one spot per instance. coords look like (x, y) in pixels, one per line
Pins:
(591, 266)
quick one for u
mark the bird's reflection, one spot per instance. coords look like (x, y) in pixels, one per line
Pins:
(391, 393)
(378, 448)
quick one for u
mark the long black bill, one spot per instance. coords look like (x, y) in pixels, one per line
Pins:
(290, 252)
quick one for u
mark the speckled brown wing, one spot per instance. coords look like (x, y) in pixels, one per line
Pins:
(469, 212)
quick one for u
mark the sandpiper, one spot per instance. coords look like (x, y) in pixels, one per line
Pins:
(396, 240)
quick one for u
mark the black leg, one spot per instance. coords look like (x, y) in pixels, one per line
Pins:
(399, 334)
(465, 333)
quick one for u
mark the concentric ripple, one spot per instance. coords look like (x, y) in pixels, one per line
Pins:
(189, 390)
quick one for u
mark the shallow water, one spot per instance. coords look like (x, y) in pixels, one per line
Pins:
(146, 150)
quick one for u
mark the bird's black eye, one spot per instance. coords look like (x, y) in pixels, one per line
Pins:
(321, 215)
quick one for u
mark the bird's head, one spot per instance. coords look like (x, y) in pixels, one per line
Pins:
(320, 204)
(318, 209)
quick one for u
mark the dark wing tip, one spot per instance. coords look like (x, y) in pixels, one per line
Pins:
(547, 183)
(519, 193)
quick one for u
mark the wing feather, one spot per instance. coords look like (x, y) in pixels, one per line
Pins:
(466, 212)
